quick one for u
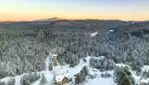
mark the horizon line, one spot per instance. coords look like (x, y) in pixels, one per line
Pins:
(57, 18)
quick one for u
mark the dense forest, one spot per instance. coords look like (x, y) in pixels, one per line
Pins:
(25, 45)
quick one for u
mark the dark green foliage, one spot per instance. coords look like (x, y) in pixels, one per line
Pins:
(43, 80)
(102, 64)
(11, 81)
(4, 73)
(145, 74)
(80, 77)
(28, 79)
(68, 58)
(85, 70)
(140, 33)
(106, 75)
(25, 44)
(137, 65)
(2, 83)
(144, 83)
(117, 35)
(137, 33)
(18, 56)
(122, 76)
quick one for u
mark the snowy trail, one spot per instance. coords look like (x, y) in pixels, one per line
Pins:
(18, 80)
(47, 61)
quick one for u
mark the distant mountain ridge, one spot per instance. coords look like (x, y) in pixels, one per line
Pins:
(51, 19)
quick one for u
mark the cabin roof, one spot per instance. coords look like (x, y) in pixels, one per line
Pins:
(59, 78)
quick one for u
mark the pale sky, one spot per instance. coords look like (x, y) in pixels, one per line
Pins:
(74, 9)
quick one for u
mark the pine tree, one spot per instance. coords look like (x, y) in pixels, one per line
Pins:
(43, 80)
(122, 76)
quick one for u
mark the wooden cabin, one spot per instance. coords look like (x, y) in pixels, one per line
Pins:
(64, 81)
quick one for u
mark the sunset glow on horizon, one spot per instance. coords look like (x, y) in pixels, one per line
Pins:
(74, 9)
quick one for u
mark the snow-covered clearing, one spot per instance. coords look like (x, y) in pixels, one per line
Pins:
(66, 71)
(111, 30)
(93, 34)
(100, 81)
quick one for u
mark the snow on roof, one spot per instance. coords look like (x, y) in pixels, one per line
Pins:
(54, 54)
(111, 30)
(59, 78)
(93, 34)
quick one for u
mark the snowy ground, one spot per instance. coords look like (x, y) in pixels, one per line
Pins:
(65, 71)
(93, 34)
(100, 81)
